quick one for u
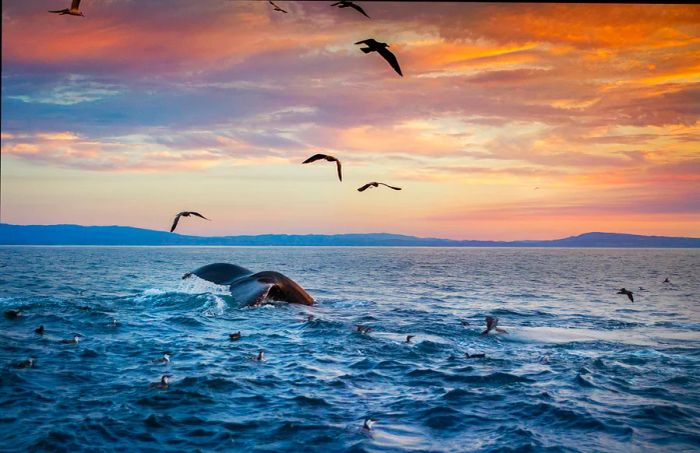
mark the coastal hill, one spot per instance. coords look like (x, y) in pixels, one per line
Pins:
(123, 235)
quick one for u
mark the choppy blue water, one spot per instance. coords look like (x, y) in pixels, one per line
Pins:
(581, 369)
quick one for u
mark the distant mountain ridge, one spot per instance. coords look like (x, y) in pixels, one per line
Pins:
(123, 235)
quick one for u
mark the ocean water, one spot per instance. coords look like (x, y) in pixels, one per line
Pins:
(580, 369)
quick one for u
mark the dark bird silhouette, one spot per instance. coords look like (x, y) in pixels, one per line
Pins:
(39, 330)
(376, 184)
(475, 356)
(381, 48)
(29, 363)
(260, 357)
(164, 382)
(185, 214)
(349, 4)
(234, 336)
(13, 314)
(316, 157)
(408, 338)
(276, 8)
(667, 280)
(369, 422)
(492, 324)
(74, 9)
(627, 292)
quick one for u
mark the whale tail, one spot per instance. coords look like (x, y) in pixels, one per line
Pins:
(219, 273)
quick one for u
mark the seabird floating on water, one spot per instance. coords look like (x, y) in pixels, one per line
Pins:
(363, 329)
(164, 381)
(369, 423)
(39, 330)
(13, 314)
(74, 340)
(165, 359)
(381, 48)
(234, 336)
(316, 157)
(29, 363)
(260, 357)
(475, 356)
(408, 338)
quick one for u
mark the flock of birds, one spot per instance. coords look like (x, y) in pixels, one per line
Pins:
(371, 45)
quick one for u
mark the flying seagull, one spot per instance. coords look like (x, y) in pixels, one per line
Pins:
(73, 11)
(376, 184)
(626, 292)
(349, 4)
(185, 214)
(316, 157)
(277, 8)
(381, 47)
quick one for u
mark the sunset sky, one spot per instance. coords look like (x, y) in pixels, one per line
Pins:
(145, 108)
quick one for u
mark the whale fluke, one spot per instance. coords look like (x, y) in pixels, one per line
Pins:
(253, 289)
(219, 273)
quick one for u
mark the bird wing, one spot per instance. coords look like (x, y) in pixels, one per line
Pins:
(629, 294)
(75, 4)
(177, 219)
(391, 58)
(340, 170)
(391, 187)
(337, 3)
(368, 42)
(199, 215)
(365, 187)
(359, 9)
(314, 158)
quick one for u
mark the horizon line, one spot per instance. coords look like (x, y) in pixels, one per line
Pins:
(346, 234)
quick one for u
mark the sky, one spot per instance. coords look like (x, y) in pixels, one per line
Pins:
(512, 121)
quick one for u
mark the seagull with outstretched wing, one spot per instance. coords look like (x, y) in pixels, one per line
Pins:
(376, 184)
(276, 8)
(628, 293)
(353, 5)
(185, 214)
(316, 157)
(74, 10)
(381, 48)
